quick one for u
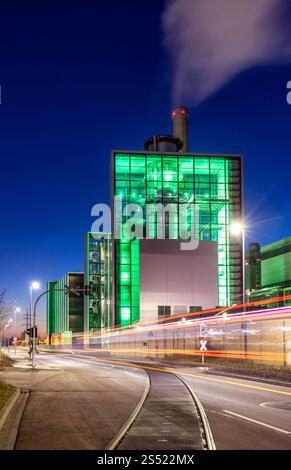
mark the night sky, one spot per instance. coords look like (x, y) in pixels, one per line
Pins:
(81, 78)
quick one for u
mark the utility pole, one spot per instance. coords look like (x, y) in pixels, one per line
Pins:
(26, 320)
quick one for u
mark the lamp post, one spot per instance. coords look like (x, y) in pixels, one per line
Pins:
(33, 286)
(66, 289)
(237, 229)
(34, 336)
(16, 310)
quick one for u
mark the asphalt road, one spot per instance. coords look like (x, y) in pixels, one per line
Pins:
(74, 404)
(231, 403)
(243, 414)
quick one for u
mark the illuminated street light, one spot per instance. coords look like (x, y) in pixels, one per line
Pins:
(237, 228)
(35, 285)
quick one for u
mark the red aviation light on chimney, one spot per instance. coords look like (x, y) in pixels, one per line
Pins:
(180, 125)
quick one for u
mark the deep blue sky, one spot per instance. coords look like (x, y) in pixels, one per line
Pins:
(81, 78)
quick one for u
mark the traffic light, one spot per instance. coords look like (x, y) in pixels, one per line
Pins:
(87, 290)
(30, 332)
(34, 332)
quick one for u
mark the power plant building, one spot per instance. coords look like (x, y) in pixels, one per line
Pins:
(162, 174)
(146, 269)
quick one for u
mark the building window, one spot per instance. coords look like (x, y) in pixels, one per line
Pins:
(164, 311)
(193, 308)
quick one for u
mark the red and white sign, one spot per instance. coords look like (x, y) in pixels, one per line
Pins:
(203, 342)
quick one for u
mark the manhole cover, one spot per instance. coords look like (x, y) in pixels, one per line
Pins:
(277, 405)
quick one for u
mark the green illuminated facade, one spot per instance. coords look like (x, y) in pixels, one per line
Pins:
(65, 312)
(275, 273)
(98, 278)
(212, 183)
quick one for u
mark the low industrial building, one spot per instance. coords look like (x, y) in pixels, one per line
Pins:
(65, 311)
(268, 272)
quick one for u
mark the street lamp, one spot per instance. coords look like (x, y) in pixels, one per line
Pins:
(16, 310)
(237, 229)
(35, 285)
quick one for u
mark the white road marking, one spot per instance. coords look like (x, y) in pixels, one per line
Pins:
(257, 422)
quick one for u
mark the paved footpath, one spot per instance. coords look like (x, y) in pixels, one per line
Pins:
(72, 403)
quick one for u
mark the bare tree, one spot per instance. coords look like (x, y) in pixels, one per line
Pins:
(5, 309)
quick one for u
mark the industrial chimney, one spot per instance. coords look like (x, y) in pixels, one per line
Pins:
(180, 126)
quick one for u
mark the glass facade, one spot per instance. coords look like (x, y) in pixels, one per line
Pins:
(98, 278)
(211, 183)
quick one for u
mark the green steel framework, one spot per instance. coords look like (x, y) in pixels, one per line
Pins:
(98, 278)
(211, 182)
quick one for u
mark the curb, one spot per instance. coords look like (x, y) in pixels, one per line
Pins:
(206, 429)
(125, 428)
(8, 407)
(206, 426)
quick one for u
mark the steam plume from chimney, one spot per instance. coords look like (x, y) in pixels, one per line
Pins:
(212, 41)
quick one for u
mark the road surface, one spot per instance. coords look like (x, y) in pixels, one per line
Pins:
(243, 414)
(230, 405)
(74, 404)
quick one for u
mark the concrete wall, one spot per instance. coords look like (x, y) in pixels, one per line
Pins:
(180, 279)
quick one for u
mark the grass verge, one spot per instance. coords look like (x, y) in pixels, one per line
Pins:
(6, 390)
(5, 361)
